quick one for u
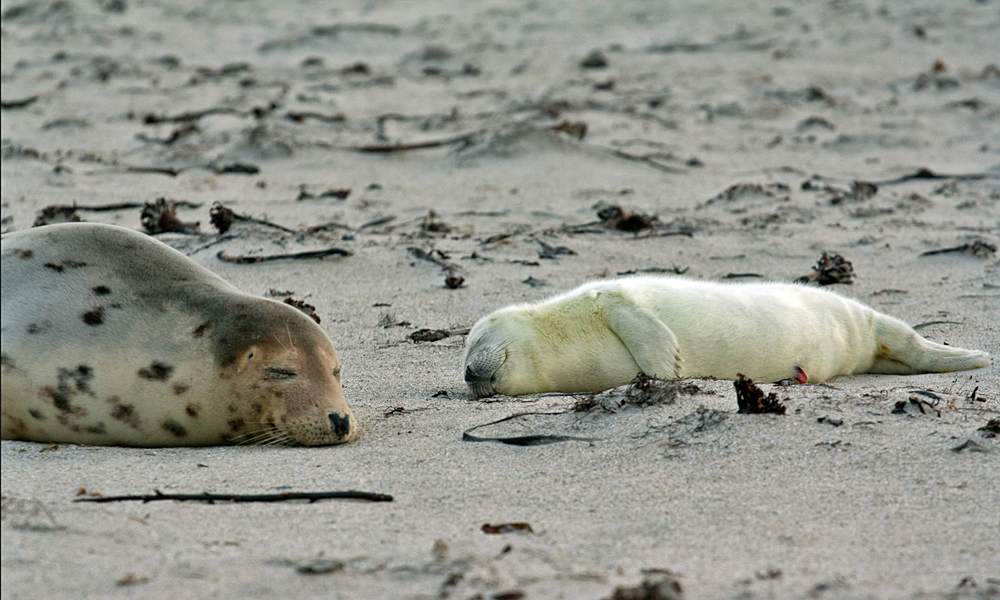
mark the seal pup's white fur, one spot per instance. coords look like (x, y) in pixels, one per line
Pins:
(604, 333)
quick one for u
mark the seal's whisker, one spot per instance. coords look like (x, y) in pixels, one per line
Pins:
(279, 439)
(290, 345)
(254, 437)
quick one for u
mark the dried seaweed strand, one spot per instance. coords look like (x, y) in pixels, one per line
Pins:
(522, 440)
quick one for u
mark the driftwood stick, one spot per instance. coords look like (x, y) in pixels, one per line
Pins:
(244, 259)
(213, 498)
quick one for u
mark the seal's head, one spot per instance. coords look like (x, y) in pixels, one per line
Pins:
(498, 355)
(284, 383)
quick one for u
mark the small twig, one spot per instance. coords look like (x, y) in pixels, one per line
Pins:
(522, 440)
(674, 270)
(234, 169)
(157, 170)
(387, 148)
(245, 260)
(429, 257)
(299, 117)
(925, 173)
(118, 206)
(327, 227)
(645, 159)
(213, 498)
(23, 103)
(976, 248)
(378, 221)
(656, 234)
(187, 117)
(175, 135)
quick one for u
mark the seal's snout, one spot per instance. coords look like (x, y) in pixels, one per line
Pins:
(340, 424)
(480, 385)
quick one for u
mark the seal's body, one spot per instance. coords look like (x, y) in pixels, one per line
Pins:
(604, 333)
(113, 338)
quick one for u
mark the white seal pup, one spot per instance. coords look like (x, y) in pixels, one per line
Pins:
(113, 338)
(604, 333)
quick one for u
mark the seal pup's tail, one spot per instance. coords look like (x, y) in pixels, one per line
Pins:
(902, 351)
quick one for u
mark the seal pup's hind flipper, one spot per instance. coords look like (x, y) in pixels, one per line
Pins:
(651, 343)
(900, 350)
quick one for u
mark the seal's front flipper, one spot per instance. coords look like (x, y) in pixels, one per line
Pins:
(652, 345)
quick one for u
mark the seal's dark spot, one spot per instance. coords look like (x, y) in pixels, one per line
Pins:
(257, 408)
(191, 410)
(174, 427)
(37, 414)
(34, 328)
(279, 373)
(66, 264)
(336, 372)
(236, 424)
(72, 382)
(231, 408)
(200, 330)
(101, 290)
(18, 428)
(6, 361)
(94, 317)
(95, 429)
(124, 412)
(179, 388)
(24, 253)
(59, 400)
(115, 305)
(156, 372)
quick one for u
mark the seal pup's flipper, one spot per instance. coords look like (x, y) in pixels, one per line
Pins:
(651, 343)
(902, 351)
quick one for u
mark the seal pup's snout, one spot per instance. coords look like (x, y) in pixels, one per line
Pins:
(480, 384)
(340, 424)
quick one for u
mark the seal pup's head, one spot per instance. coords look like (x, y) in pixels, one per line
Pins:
(285, 383)
(498, 355)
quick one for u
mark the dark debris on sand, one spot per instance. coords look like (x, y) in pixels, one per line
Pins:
(304, 307)
(614, 217)
(751, 399)
(642, 391)
(657, 585)
(51, 215)
(830, 269)
(161, 217)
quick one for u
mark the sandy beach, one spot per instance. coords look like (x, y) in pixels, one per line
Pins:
(469, 156)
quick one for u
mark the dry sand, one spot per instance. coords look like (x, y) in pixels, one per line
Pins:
(693, 98)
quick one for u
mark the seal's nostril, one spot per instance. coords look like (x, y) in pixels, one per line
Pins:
(469, 376)
(340, 424)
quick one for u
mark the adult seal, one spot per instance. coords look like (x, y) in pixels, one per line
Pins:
(603, 334)
(113, 338)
